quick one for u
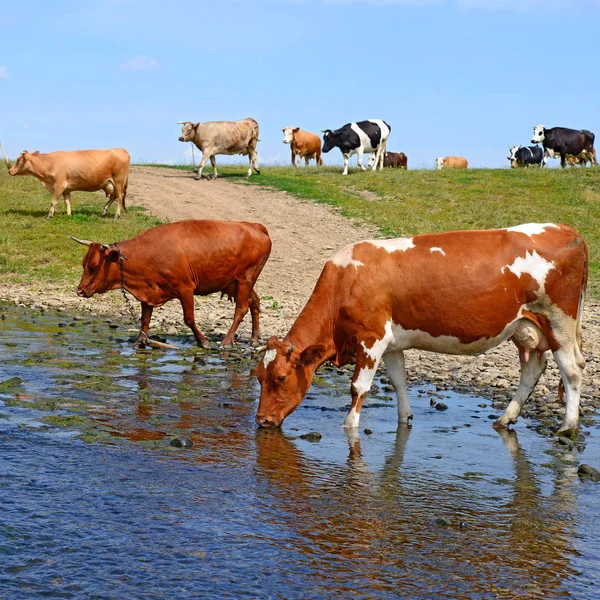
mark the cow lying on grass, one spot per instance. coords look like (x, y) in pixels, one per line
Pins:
(462, 292)
(182, 260)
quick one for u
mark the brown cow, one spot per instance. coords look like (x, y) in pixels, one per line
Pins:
(462, 292)
(222, 137)
(302, 143)
(182, 260)
(451, 162)
(79, 171)
(396, 160)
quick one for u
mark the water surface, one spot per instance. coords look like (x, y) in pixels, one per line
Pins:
(97, 504)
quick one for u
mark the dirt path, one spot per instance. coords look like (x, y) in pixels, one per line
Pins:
(304, 236)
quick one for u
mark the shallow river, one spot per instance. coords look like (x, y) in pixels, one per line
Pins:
(95, 503)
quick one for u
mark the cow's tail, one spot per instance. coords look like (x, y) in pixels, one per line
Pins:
(255, 129)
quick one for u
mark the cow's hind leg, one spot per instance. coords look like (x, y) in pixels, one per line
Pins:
(67, 197)
(242, 304)
(570, 364)
(255, 314)
(533, 365)
(213, 163)
(187, 304)
(394, 364)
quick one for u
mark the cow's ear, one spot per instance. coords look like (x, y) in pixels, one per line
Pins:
(296, 129)
(313, 354)
(112, 255)
(36, 152)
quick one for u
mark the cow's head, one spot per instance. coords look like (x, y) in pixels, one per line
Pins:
(439, 163)
(288, 134)
(22, 165)
(329, 139)
(97, 263)
(284, 374)
(188, 131)
(512, 156)
(539, 134)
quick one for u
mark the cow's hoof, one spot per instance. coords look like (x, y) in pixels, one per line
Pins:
(500, 425)
(568, 432)
(117, 217)
(49, 216)
(198, 178)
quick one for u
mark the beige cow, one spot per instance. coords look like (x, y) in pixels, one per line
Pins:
(451, 162)
(222, 137)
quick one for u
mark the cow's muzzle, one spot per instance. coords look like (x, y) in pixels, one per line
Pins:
(181, 139)
(83, 293)
(268, 422)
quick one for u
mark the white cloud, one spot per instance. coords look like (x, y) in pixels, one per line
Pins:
(3, 72)
(139, 63)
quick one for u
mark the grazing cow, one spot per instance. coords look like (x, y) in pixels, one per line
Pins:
(222, 137)
(462, 292)
(523, 156)
(302, 143)
(564, 141)
(358, 138)
(451, 162)
(182, 260)
(79, 171)
(396, 160)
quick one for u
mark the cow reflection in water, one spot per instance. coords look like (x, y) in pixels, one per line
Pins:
(381, 529)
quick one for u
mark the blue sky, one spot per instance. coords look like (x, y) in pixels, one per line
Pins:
(467, 77)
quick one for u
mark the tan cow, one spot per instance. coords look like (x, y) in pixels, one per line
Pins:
(451, 162)
(302, 143)
(461, 292)
(222, 137)
(78, 171)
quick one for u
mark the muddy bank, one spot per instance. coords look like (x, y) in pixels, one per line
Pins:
(304, 235)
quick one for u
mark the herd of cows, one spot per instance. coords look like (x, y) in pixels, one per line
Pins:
(461, 292)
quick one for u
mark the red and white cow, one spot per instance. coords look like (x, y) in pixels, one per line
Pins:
(461, 292)
(304, 144)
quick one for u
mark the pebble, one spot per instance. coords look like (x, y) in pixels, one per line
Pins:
(441, 406)
(312, 436)
(183, 441)
(368, 432)
(587, 472)
(442, 522)
(172, 330)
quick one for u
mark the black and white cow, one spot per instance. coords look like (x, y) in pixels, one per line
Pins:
(358, 138)
(563, 141)
(523, 156)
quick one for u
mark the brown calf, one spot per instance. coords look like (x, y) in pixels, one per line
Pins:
(302, 143)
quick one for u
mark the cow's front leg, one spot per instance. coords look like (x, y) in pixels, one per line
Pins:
(187, 304)
(367, 361)
(205, 157)
(346, 162)
(213, 163)
(394, 364)
(255, 314)
(253, 158)
(145, 325)
(294, 159)
(56, 194)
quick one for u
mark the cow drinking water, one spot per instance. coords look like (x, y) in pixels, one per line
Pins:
(182, 260)
(462, 292)
(359, 138)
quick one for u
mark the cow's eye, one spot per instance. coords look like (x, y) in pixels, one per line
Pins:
(281, 378)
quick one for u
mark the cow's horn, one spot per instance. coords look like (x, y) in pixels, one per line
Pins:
(290, 350)
(5, 157)
(83, 242)
(105, 246)
(260, 348)
(181, 122)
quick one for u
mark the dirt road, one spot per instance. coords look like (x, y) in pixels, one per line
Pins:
(304, 236)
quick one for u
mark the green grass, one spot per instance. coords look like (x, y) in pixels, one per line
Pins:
(396, 202)
(33, 248)
(420, 201)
